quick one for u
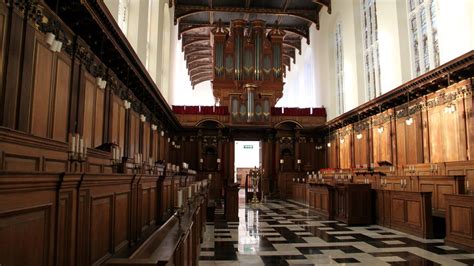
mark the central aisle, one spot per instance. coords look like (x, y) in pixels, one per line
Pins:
(285, 233)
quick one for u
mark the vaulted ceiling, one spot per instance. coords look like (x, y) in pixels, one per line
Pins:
(196, 18)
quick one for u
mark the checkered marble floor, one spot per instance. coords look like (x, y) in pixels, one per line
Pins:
(287, 233)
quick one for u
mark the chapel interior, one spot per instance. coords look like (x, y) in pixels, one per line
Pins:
(236, 132)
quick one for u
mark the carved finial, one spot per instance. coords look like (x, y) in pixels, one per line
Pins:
(220, 28)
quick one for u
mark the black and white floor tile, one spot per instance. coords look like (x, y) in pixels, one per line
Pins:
(287, 233)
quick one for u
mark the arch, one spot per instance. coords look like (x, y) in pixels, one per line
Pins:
(203, 122)
(289, 122)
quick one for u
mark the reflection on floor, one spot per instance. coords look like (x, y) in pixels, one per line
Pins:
(285, 233)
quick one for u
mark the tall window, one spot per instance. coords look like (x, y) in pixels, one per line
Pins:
(122, 20)
(423, 23)
(371, 49)
(339, 70)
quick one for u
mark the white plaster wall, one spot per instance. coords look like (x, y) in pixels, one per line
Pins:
(112, 5)
(182, 93)
(347, 13)
(456, 28)
(389, 44)
(137, 30)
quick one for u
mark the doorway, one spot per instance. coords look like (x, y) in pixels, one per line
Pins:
(247, 154)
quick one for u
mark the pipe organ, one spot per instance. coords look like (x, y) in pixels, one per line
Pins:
(248, 69)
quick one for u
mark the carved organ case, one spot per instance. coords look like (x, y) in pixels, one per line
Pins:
(248, 69)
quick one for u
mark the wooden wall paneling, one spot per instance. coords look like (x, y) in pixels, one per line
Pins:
(61, 98)
(75, 124)
(414, 140)
(28, 205)
(146, 140)
(332, 152)
(365, 147)
(41, 88)
(28, 81)
(134, 134)
(66, 222)
(361, 148)
(98, 214)
(436, 134)
(386, 143)
(369, 140)
(108, 115)
(457, 144)
(469, 118)
(24, 152)
(13, 66)
(127, 139)
(99, 117)
(377, 144)
(393, 138)
(153, 144)
(147, 201)
(161, 149)
(89, 103)
(460, 221)
(401, 143)
(115, 119)
(134, 229)
(5, 16)
(425, 121)
(345, 150)
(122, 213)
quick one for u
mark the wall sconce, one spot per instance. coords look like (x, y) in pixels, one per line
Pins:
(169, 140)
(218, 160)
(218, 164)
(100, 82)
(162, 133)
(409, 121)
(54, 44)
(450, 108)
(282, 161)
(172, 143)
(143, 118)
(154, 127)
(329, 144)
(380, 129)
(281, 164)
(359, 135)
(126, 104)
(50, 38)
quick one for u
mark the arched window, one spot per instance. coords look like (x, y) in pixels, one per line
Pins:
(423, 23)
(371, 48)
(339, 70)
(122, 20)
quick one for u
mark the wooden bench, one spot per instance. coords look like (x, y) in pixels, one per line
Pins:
(172, 244)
